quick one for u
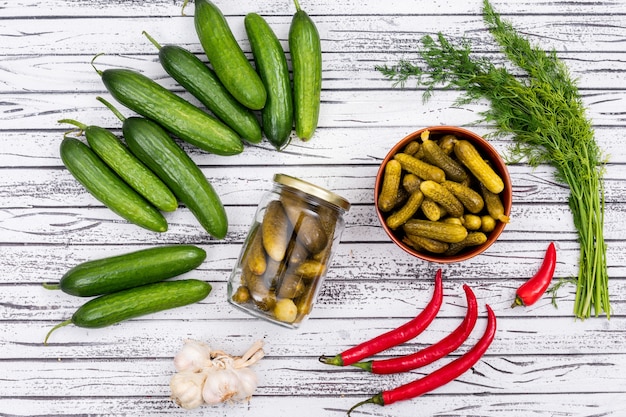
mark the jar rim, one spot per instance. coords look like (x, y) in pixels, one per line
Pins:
(313, 190)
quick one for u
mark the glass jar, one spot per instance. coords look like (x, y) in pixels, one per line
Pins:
(287, 251)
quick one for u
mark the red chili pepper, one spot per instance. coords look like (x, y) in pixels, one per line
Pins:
(433, 352)
(532, 290)
(441, 376)
(395, 337)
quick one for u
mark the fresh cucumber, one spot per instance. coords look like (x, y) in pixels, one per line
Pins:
(191, 124)
(158, 150)
(155, 148)
(106, 186)
(200, 80)
(110, 309)
(306, 61)
(271, 63)
(225, 55)
(133, 269)
(121, 160)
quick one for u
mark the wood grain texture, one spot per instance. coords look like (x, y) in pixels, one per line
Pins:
(542, 363)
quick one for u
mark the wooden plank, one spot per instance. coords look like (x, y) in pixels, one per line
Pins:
(400, 297)
(341, 70)
(339, 109)
(90, 225)
(159, 8)
(57, 188)
(483, 404)
(397, 33)
(372, 263)
(357, 266)
(160, 337)
(306, 376)
(38, 148)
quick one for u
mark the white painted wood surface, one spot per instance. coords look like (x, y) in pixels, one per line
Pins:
(542, 362)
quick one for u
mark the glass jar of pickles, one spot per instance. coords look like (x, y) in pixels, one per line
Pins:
(287, 251)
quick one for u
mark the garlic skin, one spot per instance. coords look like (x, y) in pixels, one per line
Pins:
(192, 357)
(211, 377)
(187, 387)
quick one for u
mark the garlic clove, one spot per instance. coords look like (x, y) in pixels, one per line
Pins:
(186, 387)
(248, 382)
(220, 385)
(193, 356)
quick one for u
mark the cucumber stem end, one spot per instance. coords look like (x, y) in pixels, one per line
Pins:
(62, 324)
(110, 106)
(182, 9)
(151, 39)
(73, 122)
(93, 65)
(51, 286)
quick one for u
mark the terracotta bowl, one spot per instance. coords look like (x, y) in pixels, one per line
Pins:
(488, 153)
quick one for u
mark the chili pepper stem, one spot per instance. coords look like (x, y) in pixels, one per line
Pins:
(376, 399)
(331, 360)
(517, 302)
(366, 366)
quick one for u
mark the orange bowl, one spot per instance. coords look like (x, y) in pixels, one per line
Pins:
(488, 153)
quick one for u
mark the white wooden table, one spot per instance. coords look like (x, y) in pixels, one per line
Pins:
(542, 362)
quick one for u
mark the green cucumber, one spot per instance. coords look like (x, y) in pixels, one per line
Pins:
(133, 269)
(200, 80)
(271, 63)
(158, 150)
(106, 186)
(155, 148)
(225, 55)
(121, 160)
(188, 122)
(110, 309)
(306, 61)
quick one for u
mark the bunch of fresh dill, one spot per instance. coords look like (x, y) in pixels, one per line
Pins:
(544, 113)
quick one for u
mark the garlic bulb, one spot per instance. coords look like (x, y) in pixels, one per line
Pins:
(213, 377)
(187, 387)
